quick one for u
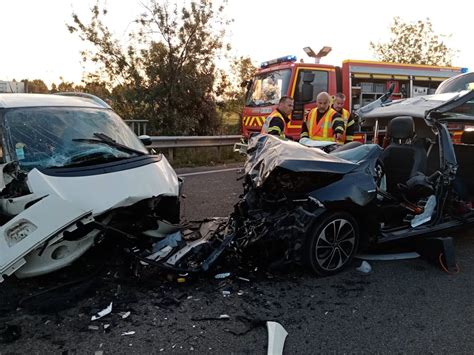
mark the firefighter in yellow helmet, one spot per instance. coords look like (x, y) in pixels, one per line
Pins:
(275, 123)
(323, 123)
(349, 121)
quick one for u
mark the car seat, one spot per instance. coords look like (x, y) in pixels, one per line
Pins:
(403, 159)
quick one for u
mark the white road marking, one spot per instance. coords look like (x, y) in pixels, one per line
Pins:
(209, 172)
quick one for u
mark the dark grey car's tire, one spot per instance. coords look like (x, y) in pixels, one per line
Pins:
(331, 243)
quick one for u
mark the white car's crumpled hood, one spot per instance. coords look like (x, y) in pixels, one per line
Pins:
(100, 193)
(64, 200)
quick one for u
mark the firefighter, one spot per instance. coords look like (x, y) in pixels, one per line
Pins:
(348, 117)
(275, 123)
(323, 123)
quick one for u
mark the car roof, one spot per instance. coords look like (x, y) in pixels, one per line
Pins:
(49, 100)
(457, 83)
(415, 107)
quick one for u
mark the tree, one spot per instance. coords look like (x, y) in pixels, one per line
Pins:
(167, 73)
(35, 86)
(65, 86)
(97, 88)
(234, 90)
(242, 70)
(414, 43)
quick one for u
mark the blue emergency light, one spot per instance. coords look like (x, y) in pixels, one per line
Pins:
(287, 58)
(464, 70)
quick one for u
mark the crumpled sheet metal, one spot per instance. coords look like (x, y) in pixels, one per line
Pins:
(266, 152)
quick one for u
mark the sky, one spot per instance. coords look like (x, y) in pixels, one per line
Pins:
(35, 43)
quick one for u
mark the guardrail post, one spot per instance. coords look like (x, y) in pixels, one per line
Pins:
(170, 154)
(219, 152)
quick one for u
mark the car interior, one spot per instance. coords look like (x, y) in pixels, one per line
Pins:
(405, 156)
(465, 157)
(411, 154)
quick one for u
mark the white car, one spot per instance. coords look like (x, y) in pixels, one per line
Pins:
(71, 173)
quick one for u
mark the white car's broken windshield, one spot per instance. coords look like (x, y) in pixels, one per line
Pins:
(60, 137)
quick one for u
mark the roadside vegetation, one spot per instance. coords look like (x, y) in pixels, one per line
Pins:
(165, 70)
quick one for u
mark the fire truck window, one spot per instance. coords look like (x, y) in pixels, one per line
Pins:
(268, 88)
(319, 83)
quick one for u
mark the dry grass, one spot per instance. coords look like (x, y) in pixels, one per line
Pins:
(191, 157)
(231, 123)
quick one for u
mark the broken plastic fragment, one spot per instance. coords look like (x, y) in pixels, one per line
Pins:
(222, 275)
(170, 240)
(225, 293)
(364, 267)
(276, 338)
(224, 316)
(125, 315)
(427, 212)
(102, 313)
(243, 279)
(128, 333)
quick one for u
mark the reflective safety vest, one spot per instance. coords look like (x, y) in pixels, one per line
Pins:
(266, 125)
(322, 130)
(345, 116)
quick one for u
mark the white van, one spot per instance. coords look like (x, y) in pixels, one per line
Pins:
(72, 172)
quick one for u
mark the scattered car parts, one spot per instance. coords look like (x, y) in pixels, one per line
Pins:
(276, 338)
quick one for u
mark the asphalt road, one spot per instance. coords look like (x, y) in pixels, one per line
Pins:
(408, 306)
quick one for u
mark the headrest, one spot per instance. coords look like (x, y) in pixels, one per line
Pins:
(467, 137)
(402, 127)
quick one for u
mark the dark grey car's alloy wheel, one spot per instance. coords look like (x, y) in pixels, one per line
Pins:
(333, 243)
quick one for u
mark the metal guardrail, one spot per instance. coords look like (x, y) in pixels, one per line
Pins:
(137, 126)
(193, 141)
(171, 143)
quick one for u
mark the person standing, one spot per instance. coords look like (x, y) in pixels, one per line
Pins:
(349, 122)
(323, 123)
(275, 124)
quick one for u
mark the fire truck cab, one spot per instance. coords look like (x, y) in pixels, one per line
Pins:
(361, 81)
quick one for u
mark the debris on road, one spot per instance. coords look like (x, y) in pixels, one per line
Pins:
(102, 313)
(364, 267)
(221, 317)
(222, 275)
(132, 332)
(276, 338)
(125, 315)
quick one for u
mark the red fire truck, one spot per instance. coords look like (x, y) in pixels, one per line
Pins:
(361, 82)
